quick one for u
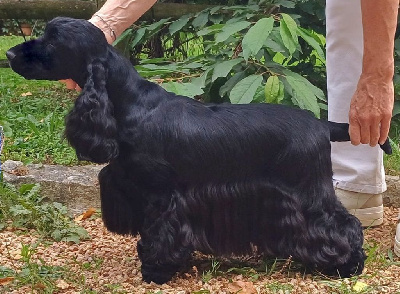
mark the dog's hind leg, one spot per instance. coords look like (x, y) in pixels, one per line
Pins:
(336, 241)
(121, 201)
(165, 244)
(332, 240)
(281, 226)
(322, 235)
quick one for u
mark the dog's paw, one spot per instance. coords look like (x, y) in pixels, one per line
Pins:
(353, 267)
(156, 275)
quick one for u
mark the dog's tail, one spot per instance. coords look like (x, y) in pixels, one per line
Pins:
(339, 132)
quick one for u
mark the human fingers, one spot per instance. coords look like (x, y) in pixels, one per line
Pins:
(354, 126)
(354, 132)
(374, 120)
(384, 130)
(365, 134)
(71, 85)
(374, 134)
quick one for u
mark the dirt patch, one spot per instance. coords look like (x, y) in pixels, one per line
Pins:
(109, 263)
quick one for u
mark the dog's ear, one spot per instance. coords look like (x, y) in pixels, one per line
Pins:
(91, 128)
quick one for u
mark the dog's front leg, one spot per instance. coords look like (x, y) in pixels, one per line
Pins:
(156, 270)
(165, 243)
(121, 201)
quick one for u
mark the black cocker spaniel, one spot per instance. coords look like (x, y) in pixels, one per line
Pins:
(185, 175)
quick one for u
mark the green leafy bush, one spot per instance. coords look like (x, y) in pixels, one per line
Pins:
(25, 208)
(245, 54)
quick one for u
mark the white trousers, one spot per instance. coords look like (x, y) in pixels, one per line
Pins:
(355, 168)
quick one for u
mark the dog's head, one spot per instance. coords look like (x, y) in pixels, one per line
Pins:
(64, 51)
(65, 47)
(75, 49)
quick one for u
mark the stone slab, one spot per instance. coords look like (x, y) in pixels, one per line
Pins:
(392, 195)
(77, 186)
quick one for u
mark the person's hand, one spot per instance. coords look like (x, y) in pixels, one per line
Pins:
(71, 85)
(371, 111)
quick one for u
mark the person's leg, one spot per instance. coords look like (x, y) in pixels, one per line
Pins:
(358, 176)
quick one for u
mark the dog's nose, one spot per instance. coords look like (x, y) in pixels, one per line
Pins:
(10, 55)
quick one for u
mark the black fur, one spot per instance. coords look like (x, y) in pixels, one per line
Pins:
(222, 179)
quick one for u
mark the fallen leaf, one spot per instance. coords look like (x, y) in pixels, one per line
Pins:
(88, 213)
(360, 286)
(20, 171)
(61, 284)
(241, 287)
(40, 286)
(6, 280)
(16, 254)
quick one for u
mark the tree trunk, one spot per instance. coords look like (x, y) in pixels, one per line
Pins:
(48, 9)
(42, 9)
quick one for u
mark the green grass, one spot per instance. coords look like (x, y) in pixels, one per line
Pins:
(38, 276)
(6, 42)
(32, 113)
(277, 287)
(392, 162)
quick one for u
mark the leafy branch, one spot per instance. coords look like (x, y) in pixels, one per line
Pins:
(245, 56)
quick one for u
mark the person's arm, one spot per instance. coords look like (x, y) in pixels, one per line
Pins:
(113, 18)
(372, 104)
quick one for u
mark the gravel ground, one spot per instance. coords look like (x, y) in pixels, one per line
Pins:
(108, 263)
